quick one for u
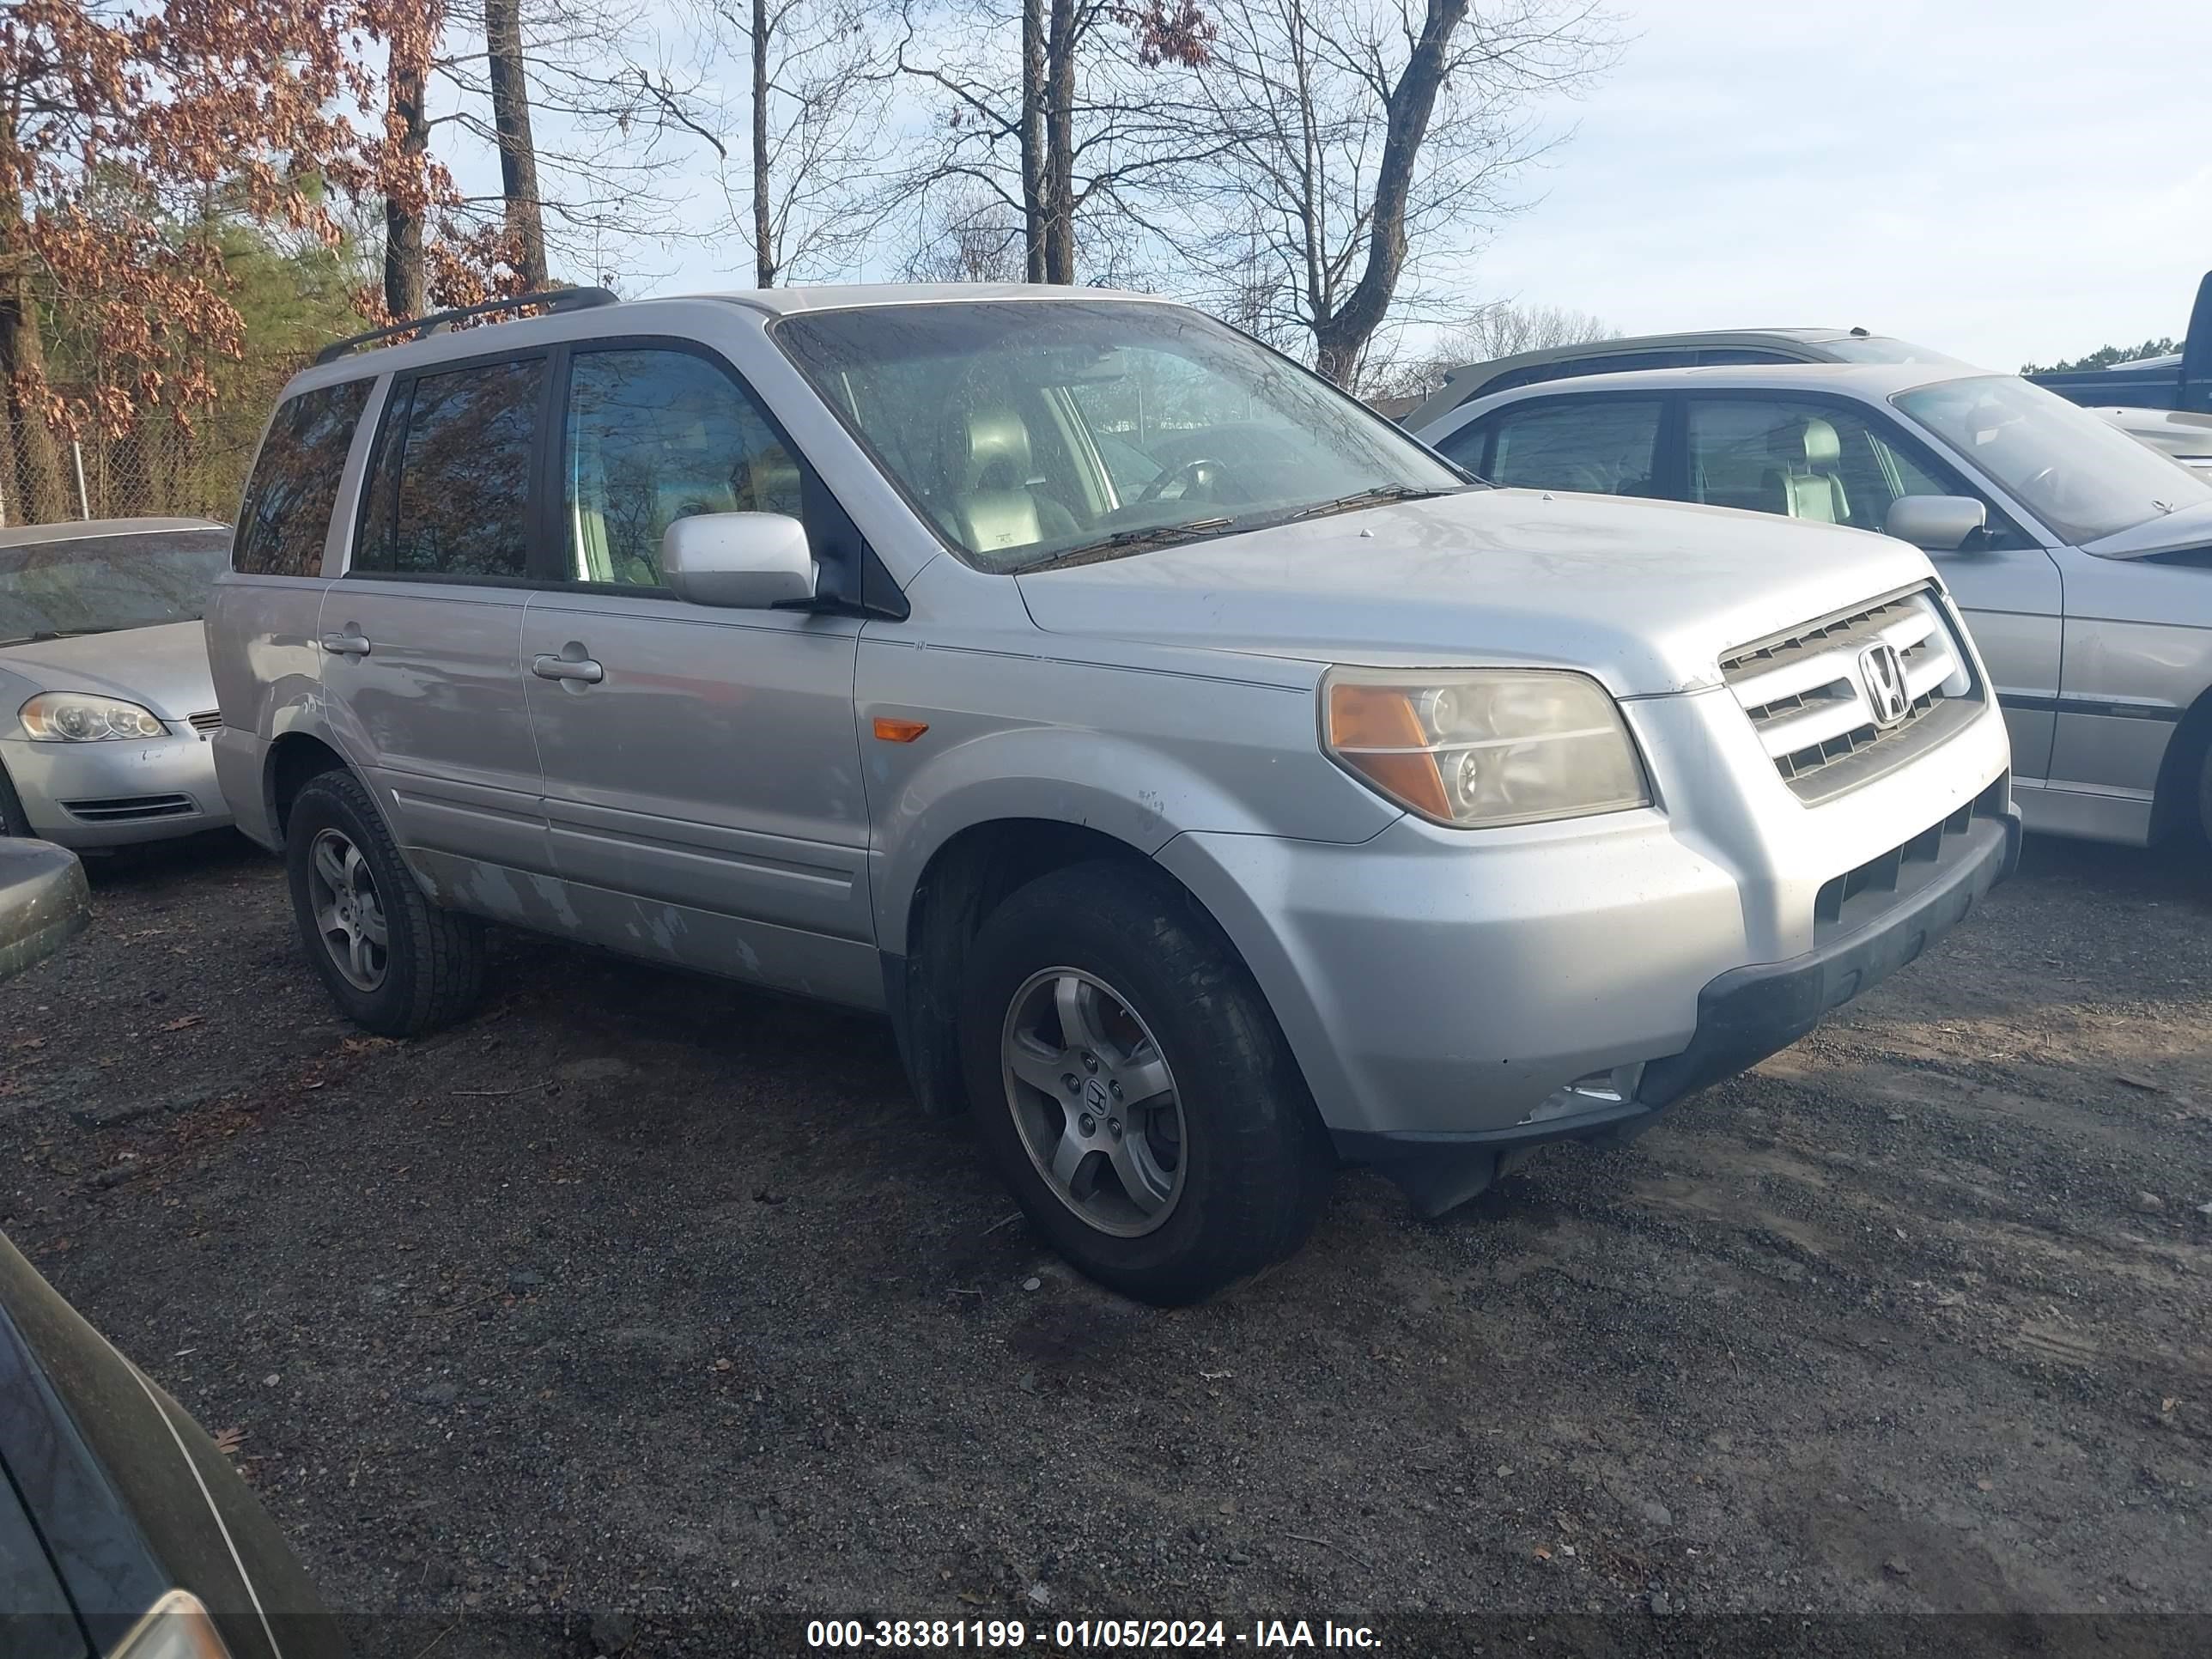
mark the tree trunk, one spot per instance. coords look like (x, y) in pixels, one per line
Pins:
(1033, 185)
(764, 259)
(403, 289)
(517, 151)
(1340, 338)
(35, 490)
(1059, 204)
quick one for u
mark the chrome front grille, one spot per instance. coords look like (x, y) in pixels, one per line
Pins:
(1807, 696)
(206, 722)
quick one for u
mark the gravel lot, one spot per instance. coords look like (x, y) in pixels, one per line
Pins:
(643, 1309)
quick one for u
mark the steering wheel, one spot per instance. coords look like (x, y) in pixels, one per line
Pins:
(1197, 474)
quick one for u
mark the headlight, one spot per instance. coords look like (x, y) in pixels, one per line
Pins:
(1477, 747)
(78, 717)
(176, 1627)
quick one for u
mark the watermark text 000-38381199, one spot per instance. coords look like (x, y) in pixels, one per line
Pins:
(1084, 1635)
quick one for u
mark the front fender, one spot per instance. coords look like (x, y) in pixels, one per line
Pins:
(1141, 794)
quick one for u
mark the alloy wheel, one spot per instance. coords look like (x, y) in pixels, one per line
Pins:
(349, 911)
(1094, 1100)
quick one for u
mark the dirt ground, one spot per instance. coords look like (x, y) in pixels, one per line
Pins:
(644, 1311)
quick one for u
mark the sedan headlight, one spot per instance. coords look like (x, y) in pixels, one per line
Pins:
(79, 717)
(1478, 747)
(176, 1627)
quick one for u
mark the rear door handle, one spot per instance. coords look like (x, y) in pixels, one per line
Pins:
(547, 666)
(346, 645)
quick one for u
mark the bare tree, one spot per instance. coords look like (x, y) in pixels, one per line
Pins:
(586, 102)
(1365, 141)
(816, 80)
(1501, 329)
(509, 86)
(1059, 108)
(968, 236)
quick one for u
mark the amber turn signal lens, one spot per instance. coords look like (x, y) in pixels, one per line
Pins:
(1367, 724)
(892, 731)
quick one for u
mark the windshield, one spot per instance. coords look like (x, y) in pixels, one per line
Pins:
(2081, 475)
(1027, 432)
(1881, 349)
(98, 583)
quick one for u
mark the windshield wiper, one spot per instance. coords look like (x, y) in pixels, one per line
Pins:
(1126, 541)
(1376, 496)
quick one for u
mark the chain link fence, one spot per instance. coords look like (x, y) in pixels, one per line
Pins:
(163, 467)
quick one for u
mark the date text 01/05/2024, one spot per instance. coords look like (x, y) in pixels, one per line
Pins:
(1081, 1635)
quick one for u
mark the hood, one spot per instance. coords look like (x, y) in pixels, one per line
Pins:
(1645, 595)
(164, 667)
(2181, 433)
(2190, 526)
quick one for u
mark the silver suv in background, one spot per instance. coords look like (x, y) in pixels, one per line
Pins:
(2082, 560)
(1632, 353)
(1208, 782)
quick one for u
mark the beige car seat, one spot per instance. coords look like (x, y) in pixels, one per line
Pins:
(1803, 484)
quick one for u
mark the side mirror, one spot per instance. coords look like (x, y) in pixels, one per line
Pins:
(740, 560)
(1937, 524)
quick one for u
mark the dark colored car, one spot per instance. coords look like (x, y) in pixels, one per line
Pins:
(2182, 380)
(124, 1532)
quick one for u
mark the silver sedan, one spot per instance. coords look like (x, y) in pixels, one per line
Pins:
(106, 701)
(2082, 558)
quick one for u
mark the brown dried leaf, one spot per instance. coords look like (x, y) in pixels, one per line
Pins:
(184, 1022)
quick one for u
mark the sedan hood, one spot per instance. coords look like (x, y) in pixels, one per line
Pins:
(1647, 596)
(2181, 433)
(2192, 526)
(164, 667)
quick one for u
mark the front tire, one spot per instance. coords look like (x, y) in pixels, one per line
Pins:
(394, 963)
(14, 820)
(2204, 794)
(1134, 1089)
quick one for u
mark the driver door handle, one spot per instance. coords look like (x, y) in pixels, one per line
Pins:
(548, 666)
(349, 644)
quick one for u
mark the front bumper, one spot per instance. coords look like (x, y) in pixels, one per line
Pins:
(111, 794)
(1441, 987)
(1743, 1015)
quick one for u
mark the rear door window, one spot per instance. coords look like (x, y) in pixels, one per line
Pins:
(1600, 445)
(286, 514)
(449, 493)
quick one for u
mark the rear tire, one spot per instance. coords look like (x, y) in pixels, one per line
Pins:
(394, 963)
(2204, 794)
(1131, 1084)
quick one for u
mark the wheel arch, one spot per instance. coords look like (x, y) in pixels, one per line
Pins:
(294, 759)
(965, 879)
(2174, 799)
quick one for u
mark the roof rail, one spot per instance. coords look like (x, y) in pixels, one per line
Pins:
(437, 322)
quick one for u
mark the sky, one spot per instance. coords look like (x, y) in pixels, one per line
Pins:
(2004, 182)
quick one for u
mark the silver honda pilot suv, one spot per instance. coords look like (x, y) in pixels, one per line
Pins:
(1209, 783)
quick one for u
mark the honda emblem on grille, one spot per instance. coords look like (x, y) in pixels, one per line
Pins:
(1882, 672)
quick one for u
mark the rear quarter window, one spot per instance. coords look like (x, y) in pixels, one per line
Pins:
(286, 515)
